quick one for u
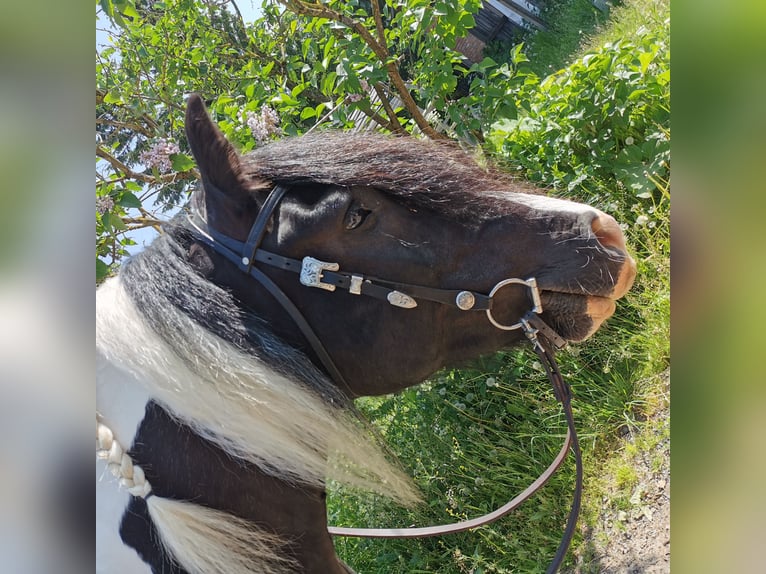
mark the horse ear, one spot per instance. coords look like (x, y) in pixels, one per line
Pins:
(218, 161)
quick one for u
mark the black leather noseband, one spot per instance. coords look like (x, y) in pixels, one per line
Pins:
(327, 276)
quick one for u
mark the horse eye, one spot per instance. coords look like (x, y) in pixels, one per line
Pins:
(355, 216)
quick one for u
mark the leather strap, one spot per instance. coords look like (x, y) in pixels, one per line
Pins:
(258, 230)
(247, 253)
(543, 348)
(224, 245)
(427, 531)
(374, 287)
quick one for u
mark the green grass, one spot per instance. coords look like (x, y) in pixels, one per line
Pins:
(570, 21)
(625, 20)
(576, 27)
(473, 438)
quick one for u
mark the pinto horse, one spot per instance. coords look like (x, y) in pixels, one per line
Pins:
(309, 272)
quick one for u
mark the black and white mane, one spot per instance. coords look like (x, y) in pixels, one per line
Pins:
(219, 370)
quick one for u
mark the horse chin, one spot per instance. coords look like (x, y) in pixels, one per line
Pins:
(574, 316)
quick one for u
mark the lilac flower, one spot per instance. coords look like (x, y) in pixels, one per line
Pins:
(104, 204)
(264, 124)
(158, 155)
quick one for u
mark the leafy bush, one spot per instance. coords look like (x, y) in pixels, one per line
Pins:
(300, 65)
(598, 126)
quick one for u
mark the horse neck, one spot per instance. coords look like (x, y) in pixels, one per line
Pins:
(181, 465)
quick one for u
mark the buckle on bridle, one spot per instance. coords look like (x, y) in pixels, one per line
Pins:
(537, 308)
(311, 273)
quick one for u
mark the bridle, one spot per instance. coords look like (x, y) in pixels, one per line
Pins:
(328, 276)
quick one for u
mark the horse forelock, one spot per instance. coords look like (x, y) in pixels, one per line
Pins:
(438, 176)
(221, 372)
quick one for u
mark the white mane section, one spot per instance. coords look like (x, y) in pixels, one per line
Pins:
(241, 405)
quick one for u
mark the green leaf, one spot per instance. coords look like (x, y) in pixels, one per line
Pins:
(297, 90)
(127, 199)
(102, 270)
(128, 9)
(645, 58)
(467, 21)
(112, 98)
(118, 224)
(328, 83)
(107, 7)
(328, 48)
(285, 99)
(181, 162)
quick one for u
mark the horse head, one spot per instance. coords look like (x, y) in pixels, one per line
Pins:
(412, 213)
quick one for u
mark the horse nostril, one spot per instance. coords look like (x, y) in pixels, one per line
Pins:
(607, 231)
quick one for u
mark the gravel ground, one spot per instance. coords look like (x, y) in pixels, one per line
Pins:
(636, 540)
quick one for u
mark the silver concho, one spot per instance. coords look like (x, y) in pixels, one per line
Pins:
(465, 300)
(401, 300)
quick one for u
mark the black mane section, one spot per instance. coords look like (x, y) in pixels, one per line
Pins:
(438, 176)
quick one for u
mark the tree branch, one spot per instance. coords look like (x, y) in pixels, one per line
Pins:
(316, 10)
(140, 222)
(236, 8)
(150, 179)
(395, 126)
(410, 104)
(101, 94)
(380, 120)
(125, 125)
(379, 24)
